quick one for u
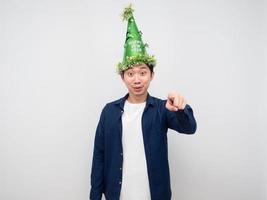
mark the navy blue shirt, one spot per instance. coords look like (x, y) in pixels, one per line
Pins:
(106, 174)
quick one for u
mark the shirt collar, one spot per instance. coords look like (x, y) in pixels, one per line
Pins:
(121, 101)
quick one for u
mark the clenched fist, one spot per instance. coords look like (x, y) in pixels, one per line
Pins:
(175, 102)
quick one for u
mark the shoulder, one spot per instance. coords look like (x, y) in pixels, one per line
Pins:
(158, 102)
(114, 103)
(156, 99)
(110, 106)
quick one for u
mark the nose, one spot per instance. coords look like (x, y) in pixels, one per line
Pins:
(136, 79)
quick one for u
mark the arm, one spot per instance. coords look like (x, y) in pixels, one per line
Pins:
(97, 173)
(179, 115)
(182, 121)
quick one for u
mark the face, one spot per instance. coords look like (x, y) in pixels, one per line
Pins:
(137, 79)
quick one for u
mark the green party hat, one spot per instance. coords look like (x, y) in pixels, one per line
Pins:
(134, 48)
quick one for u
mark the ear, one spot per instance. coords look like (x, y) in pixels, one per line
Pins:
(152, 76)
(122, 76)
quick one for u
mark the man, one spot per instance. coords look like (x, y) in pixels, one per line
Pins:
(130, 158)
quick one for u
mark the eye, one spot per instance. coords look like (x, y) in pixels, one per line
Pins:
(143, 73)
(130, 74)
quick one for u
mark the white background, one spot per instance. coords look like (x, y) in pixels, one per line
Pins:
(57, 71)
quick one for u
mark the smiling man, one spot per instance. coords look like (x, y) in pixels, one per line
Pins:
(130, 158)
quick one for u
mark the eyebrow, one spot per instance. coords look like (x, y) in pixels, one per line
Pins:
(143, 67)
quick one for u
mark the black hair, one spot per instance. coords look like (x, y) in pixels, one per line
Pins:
(151, 68)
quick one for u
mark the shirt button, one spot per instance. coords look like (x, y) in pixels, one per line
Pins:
(121, 154)
(120, 168)
(120, 182)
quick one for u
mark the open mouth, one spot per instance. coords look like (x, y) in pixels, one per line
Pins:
(137, 89)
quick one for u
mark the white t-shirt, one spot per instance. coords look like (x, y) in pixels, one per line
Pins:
(135, 184)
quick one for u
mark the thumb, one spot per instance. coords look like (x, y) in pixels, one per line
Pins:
(169, 105)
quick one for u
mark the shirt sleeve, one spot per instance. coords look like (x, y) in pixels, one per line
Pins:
(182, 121)
(97, 172)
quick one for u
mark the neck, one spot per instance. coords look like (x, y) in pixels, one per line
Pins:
(137, 99)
